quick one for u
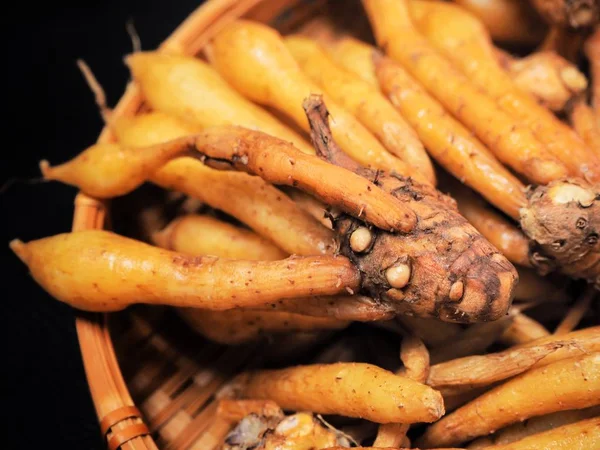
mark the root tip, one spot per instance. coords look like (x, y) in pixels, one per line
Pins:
(313, 101)
(573, 79)
(45, 169)
(436, 406)
(19, 248)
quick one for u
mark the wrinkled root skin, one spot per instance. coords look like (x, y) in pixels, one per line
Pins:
(442, 250)
(563, 223)
(250, 432)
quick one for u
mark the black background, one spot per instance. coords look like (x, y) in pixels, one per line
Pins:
(50, 113)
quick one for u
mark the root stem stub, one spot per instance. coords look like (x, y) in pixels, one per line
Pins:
(563, 223)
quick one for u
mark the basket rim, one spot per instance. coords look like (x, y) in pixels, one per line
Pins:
(122, 424)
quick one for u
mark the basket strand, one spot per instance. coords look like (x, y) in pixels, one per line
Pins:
(118, 415)
(122, 436)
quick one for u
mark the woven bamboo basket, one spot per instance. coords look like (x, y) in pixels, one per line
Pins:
(155, 387)
(154, 382)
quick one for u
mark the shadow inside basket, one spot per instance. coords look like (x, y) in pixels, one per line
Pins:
(176, 376)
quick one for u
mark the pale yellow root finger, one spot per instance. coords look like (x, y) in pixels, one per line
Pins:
(280, 163)
(449, 142)
(253, 201)
(80, 269)
(586, 125)
(592, 51)
(347, 389)
(582, 435)
(241, 325)
(151, 128)
(253, 58)
(537, 425)
(204, 235)
(533, 287)
(249, 199)
(547, 76)
(236, 410)
(576, 313)
(415, 357)
(487, 369)
(464, 40)
(188, 88)
(568, 384)
(110, 170)
(356, 57)
(508, 21)
(501, 233)
(475, 339)
(512, 142)
(523, 330)
(344, 47)
(367, 104)
(390, 435)
(581, 342)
